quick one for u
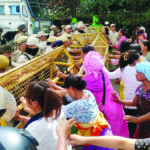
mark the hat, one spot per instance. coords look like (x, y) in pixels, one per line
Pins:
(63, 26)
(57, 44)
(5, 49)
(144, 67)
(41, 33)
(21, 27)
(52, 39)
(112, 25)
(53, 26)
(142, 28)
(106, 23)
(81, 25)
(22, 39)
(1, 29)
(68, 27)
(4, 62)
(33, 41)
(8, 102)
(63, 38)
(93, 63)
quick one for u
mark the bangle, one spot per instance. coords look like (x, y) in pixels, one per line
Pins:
(139, 120)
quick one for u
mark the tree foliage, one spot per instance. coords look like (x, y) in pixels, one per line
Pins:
(123, 12)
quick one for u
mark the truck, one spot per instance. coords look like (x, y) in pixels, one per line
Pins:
(33, 13)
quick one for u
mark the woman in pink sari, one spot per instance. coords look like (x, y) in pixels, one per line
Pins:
(99, 84)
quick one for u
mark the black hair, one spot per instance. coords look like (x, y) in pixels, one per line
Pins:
(147, 44)
(74, 82)
(136, 47)
(123, 31)
(107, 31)
(128, 58)
(87, 48)
(48, 43)
(141, 31)
(124, 46)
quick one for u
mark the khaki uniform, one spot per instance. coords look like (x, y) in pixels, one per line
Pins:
(25, 57)
(42, 47)
(15, 56)
(51, 33)
(113, 37)
(48, 49)
(17, 36)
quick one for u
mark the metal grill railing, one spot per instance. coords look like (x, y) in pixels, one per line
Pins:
(47, 65)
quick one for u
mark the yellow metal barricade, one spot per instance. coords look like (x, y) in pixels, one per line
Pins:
(38, 69)
(47, 65)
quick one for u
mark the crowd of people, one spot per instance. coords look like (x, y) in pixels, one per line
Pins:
(102, 119)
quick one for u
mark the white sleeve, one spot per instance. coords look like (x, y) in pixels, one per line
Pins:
(35, 131)
(21, 60)
(114, 62)
(113, 75)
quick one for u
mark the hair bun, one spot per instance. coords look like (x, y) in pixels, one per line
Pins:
(81, 84)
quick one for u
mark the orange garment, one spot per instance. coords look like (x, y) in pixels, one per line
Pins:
(93, 128)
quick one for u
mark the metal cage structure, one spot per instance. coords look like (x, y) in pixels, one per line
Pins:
(47, 65)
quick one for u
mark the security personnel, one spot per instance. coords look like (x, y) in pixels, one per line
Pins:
(63, 29)
(6, 51)
(4, 63)
(51, 40)
(81, 29)
(17, 53)
(30, 52)
(53, 29)
(21, 32)
(42, 42)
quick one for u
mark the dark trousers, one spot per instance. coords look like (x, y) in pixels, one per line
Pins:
(131, 126)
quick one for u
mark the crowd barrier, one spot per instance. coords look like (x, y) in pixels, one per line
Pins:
(47, 65)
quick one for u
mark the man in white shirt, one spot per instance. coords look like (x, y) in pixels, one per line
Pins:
(113, 35)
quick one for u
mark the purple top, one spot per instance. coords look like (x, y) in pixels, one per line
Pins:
(145, 95)
(123, 38)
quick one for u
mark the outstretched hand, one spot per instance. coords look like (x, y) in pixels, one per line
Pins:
(116, 97)
(129, 118)
(50, 82)
(64, 130)
(76, 140)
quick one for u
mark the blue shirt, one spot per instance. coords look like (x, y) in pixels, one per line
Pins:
(83, 110)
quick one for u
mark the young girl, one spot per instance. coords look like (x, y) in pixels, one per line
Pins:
(127, 73)
(99, 84)
(41, 99)
(141, 100)
(83, 107)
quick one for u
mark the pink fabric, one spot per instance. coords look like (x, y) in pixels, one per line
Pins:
(113, 111)
(93, 61)
(123, 38)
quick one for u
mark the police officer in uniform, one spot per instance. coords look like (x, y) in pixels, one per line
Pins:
(30, 52)
(17, 53)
